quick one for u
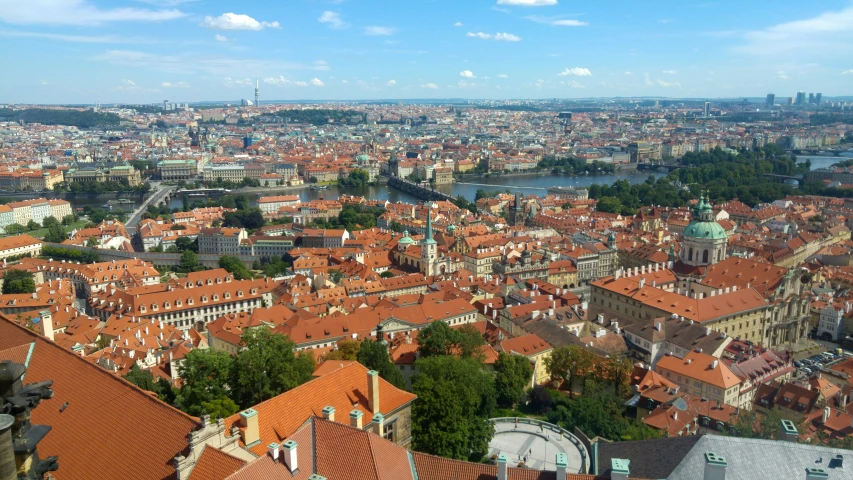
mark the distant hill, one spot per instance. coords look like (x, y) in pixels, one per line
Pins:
(76, 118)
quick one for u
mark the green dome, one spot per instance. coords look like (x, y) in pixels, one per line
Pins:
(363, 158)
(406, 240)
(709, 230)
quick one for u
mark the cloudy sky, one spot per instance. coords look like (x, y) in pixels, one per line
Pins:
(79, 51)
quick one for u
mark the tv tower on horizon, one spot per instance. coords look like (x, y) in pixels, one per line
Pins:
(257, 93)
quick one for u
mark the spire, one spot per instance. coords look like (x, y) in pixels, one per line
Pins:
(429, 240)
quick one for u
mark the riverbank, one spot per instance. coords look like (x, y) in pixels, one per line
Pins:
(495, 176)
(293, 188)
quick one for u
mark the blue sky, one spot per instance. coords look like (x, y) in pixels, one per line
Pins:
(76, 51)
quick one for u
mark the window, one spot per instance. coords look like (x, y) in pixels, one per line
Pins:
(705, 257)
(390, 431)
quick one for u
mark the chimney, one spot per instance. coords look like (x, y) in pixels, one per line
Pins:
(250, 431)
(615, 326)
(273, 451)
(619, 469)
(715, 467)
(658, 326)
(329, 413)
(290, 458)
(373, 391)
(502, 467)
(8, 469)
(714, 364)
(562, 465)
(788, 431)
(826, 413)
(47, 323)
(816, 474)
(378, 424)
(355, 419)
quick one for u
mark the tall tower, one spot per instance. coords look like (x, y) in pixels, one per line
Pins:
(257, 93)
(429, 248)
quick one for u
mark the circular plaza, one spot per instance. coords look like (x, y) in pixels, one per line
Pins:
(536, 444)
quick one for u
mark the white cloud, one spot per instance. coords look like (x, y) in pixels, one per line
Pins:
(457, 24)
(81, 38)
(824, 35)
(77, 12)
(345, 82)
(221, 38)
(506, 37)
(668, 84)
(229, 82)
(391, 83)
(191, 63)
(628, 73)
(575, 84)
(379, 31)
(333, 20)
(558, 22)
(670, 72)
(175, 85)
(782, 75)
(569, 23)
(575, 71)
(503, 75)
(316, 82)
(430, 86)
(528, 3)
(128, 83)
(44, 82)
(847, 72)
(301, 84)
(467, 74)
(236, 21)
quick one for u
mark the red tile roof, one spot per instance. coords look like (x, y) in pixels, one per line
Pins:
(131, 435)
(214, 464)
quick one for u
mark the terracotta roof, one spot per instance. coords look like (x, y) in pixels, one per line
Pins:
(137, 434)
(700, 366)
(279, 417)
(214, 464)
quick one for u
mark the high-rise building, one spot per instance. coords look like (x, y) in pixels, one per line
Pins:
(707, 109)
(790, 101)
(801, 98)
(771, 99)
(257, 93)
(817, 97)
(811, 98)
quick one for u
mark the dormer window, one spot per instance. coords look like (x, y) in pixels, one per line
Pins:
(190, 301)
(142, 309)
(154, 307)
(215, 297)
(179, 303)
(167, 305)
(227, 295)
(254, 291)
(204, 299)
(239, 293)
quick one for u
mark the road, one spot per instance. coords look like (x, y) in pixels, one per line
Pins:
(136, 216)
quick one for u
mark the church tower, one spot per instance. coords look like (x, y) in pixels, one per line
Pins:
(704, 241)
(516, 212)
(429, 248)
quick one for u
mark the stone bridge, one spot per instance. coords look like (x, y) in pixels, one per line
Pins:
(424, 192)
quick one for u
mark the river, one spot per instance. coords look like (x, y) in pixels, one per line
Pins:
(468, 187)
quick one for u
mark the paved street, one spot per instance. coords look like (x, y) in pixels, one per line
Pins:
(136, 216)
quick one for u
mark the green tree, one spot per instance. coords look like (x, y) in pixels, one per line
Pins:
(235, 267)
(205, 374)
(189, 262)
(92, 242)
(356, 178)
(345, 350)
(141, 378)
(456, 398)
(335, 276)
(68, 220)
(18, 281)
(32, 225)
(184, 244)
(754, 424)
(266, 367)
(55, 234)
(386, 274)
(220, 408)
(512, 374)
(439, 339)
(374, 355)
(15, 229)
(50, 221)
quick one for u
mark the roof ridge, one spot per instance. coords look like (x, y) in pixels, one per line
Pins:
(146, 394)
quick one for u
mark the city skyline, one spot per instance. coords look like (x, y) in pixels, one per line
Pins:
(144, 51)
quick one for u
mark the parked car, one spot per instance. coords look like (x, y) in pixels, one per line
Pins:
(797, 364)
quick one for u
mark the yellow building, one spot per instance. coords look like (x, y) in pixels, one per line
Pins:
(534, 348)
